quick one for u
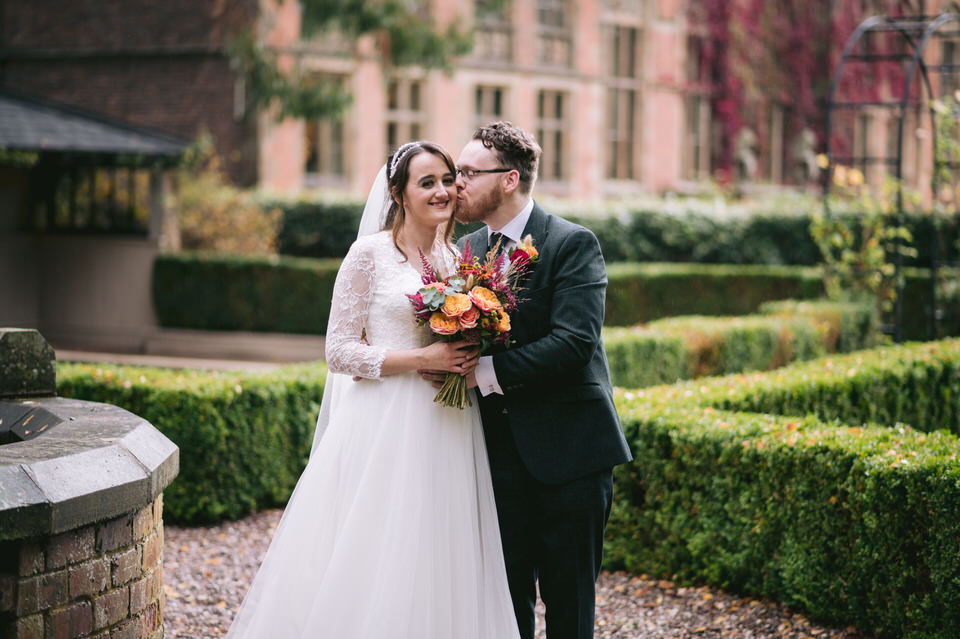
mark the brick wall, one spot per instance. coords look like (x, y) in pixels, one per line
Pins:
(103, 581)
(155, 64)
(121, 25)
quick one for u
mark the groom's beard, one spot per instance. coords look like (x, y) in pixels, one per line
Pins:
(479, 207)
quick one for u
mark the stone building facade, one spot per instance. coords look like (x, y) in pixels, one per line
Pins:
(613, 89)
(601, 82)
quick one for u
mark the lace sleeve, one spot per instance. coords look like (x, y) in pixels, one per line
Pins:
(346, 350)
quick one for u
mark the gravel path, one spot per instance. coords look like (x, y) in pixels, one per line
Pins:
(208, 569)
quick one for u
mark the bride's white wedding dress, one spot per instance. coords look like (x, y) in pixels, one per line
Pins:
(391, 531)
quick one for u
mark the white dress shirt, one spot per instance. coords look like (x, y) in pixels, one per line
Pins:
(512, 233)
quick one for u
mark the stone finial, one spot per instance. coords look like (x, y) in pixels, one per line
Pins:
(27, 364)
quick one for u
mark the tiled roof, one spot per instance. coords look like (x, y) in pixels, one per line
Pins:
(31, 124)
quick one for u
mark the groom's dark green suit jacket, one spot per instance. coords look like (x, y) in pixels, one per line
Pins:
(557, 396)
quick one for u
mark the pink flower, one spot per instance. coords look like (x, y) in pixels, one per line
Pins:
(468, 319)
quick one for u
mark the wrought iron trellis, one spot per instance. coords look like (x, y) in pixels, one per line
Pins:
(916, 33)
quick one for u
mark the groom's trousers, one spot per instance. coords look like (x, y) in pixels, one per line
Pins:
(552, 534)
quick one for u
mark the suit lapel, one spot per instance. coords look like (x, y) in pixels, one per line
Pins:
(536, 228)
(536, 225)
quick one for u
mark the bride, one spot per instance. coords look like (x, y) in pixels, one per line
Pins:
(391, 531)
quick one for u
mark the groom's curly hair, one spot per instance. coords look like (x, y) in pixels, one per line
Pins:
(515, 149)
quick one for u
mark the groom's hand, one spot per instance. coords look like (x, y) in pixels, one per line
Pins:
(436, 377)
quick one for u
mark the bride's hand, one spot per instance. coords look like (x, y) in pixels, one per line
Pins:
(451, 357)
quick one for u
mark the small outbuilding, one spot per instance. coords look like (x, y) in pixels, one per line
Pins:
(82, 216)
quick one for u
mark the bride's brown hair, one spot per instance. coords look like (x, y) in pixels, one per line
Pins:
(398, 174)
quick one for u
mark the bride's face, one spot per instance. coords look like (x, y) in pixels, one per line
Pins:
(431, 191)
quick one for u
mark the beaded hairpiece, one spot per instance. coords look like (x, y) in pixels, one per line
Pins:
(401, 152)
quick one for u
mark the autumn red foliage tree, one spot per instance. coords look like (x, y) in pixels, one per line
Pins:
(758, 53)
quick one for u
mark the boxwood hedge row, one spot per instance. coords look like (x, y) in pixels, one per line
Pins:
(292, 295)
(218, 292)
(244, 437)
(831, 485)
(640, 292)
(848, 512)
(639, 232)
(686, 347)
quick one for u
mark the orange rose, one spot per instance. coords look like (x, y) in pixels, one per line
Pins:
(503, 325)
(443, 325)
(485, 299)
(456, 305)
(468, 319)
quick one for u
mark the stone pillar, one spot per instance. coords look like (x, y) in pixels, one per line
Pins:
(27, 364)
(81, 526)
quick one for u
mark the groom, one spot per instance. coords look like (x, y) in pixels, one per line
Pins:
(551, 428)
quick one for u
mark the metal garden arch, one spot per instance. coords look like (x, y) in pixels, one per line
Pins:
(915, 33)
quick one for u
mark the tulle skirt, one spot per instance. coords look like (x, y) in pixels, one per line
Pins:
(391, 531)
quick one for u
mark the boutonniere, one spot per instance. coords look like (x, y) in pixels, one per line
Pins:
(522, 258)
(525, 253)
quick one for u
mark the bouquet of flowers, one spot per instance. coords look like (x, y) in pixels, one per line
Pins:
(473, 304)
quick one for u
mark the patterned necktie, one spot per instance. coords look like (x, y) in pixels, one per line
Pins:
(494, 238)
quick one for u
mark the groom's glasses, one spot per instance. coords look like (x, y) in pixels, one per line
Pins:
(469, 174)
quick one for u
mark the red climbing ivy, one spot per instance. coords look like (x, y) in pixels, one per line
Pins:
(756, 52)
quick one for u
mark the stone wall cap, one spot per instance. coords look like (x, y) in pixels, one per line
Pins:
(101, 461)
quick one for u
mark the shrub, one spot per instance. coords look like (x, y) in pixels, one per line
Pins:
(213, 215)
(688, 347)
(771, 233)
(292, 295)
(846, 326)
(312, 229)
(719, 345)
(645, 292)
(641, 357)
(215, 292)
(852, 520)
(244, 438)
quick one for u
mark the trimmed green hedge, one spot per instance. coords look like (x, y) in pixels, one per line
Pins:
(292, 295)
(667, 231)
(854, 522)
(230, 293)
(644, 292)
(244, 437)
(845, 326)
(640, 357)
(851, 521)
(639, 293)
(686, 347)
